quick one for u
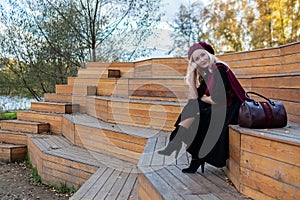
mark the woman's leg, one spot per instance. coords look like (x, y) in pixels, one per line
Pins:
(179, 135)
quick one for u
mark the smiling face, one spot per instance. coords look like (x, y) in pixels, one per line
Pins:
(201, 58)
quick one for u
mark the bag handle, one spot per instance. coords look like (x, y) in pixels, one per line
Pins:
(260, 95)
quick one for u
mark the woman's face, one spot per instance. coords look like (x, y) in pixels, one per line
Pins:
(201, 58)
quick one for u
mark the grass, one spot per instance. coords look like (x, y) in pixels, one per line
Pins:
(61, 189)
(8, 115)
(33, 170)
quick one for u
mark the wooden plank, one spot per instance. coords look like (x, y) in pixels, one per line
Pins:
(173, 179)
(92, 73)
(125, 154)
(263, 184)
(290, 58)
(149, 187)
(92, 192)
(85, 81)
(143, 194)
(54, 107)
(209, 187)
(67, 171)
(148, 152)
(70, 180)
(68, 130)
(52, 180)
(117, 186)
(88, 184)
(280, 171)
(119, 139)
(284, 81)
(254, 193)
(105, 190)
(51, 97)
(280, 94)
(55, 120)
(68, 158)
(13, 137)
(276, 150)
(163, 187)
(84, 90)
(219, 178)
(25, 126)
(158, 159)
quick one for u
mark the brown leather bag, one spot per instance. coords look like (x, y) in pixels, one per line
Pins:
(255, 114)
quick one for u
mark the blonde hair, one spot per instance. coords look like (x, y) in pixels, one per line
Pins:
(200, 72)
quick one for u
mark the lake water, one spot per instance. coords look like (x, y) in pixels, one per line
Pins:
(14, 103)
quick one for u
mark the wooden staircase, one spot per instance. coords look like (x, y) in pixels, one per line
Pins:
(97, 124)
(101, 133)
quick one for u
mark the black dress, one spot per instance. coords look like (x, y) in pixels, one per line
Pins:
(211, 120)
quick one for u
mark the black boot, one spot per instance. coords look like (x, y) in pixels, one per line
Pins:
(174, 133)
(176, 139)
(195, 164)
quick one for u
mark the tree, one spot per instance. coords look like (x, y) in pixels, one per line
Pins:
(36, 62)
(187, 27)
(108, 29)
(276, 23)
(238, 25)
(49, 41)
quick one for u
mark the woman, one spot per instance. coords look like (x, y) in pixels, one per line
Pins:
(215, 96)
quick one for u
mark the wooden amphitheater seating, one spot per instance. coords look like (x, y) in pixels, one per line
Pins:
(264, 163)
(104, 132)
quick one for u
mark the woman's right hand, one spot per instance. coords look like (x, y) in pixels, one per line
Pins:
(193, 67)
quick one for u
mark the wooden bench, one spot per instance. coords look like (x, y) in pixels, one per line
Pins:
(264, 163)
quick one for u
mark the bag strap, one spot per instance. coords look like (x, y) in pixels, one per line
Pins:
(260, 95)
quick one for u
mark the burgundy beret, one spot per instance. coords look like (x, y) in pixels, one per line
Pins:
(201, 45)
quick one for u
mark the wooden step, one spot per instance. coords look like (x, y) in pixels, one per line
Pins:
(108, 183)
(53, 107)
(107, 87)
(71, 99)
(161, 176)
(140, 113)
(161, 67)
(84, 90)
(119, 141)
(12, 152)
(53, 97)
(58, 161)
(96, 73)
(25, 126)
(126, 68)
(158, 87)
(13, 137)
(53, 120)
